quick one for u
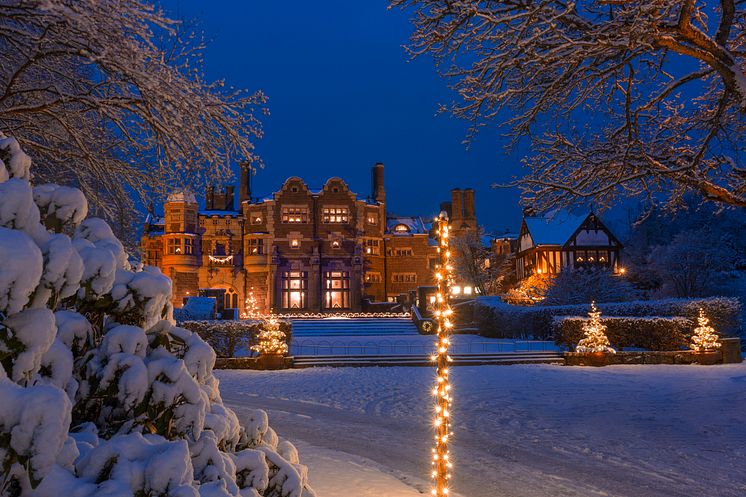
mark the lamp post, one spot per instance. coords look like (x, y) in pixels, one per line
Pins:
(442, 391)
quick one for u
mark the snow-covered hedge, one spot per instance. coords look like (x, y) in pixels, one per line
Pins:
(229, 337)
(196, 309)
(100, 393)
(498, 319)
(650, 333)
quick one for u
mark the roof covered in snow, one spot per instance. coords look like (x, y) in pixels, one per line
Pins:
(182, 196)
(216, 212)
(554, 228)
(414, 225)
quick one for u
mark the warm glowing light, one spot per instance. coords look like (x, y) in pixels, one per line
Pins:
(467, 290)
(622, 270)
(443, 315)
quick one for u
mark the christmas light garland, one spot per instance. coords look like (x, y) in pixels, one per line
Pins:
(442, 391)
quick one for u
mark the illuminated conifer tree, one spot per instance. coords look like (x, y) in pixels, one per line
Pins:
(595, 339)
(705, 338)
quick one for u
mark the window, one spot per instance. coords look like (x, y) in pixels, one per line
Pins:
(336, 244)
(372, 218)
(404, 278)
(230, 299)
(215, 221)
(373, 247)
(336, 215)
(373, 278)
(256, 218)
(401, 228)
(291, 215)
(256, 246)
(294, 289)
(336, 290)
(174, 246)
(401, 252)
(188, 246)
(295, 243)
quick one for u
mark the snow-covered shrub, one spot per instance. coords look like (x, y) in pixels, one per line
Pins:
(498, 319)
(100, 392)
(196, 309)
(583, 285)
(230, 337)
(650, 333)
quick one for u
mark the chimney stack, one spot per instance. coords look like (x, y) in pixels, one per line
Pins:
(229, 192)
(469, 211)
(457, 206)
(244, 188)
(379, 191)
(210, 198)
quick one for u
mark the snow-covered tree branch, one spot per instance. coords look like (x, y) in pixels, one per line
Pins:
(108, 96)
(618, 97)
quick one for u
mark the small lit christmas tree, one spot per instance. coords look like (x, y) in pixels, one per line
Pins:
(251, 307)
(705, 338)
(272, 340)
(595, 339)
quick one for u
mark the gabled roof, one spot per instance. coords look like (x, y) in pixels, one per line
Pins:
(554, 228)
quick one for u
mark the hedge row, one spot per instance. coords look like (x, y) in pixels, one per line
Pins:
(228, 337)
(497, 319)
(652, 333)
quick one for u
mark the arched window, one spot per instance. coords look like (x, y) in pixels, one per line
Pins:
(401, 228)
(230, 299)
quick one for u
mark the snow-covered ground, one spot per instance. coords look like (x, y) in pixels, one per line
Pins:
(411, 344)
(534, 430)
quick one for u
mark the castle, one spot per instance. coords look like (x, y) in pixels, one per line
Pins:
(299, 250)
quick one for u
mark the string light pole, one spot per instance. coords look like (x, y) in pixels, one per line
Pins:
(442, 391)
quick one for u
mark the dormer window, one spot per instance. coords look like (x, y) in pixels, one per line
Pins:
(336, 244)
(372, 218)
(401, 228)
(295, 243)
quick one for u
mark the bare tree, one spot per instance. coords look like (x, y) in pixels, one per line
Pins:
(108, 95)
(480, 266)
(619, 97)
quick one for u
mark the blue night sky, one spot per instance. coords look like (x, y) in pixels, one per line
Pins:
(343, 95)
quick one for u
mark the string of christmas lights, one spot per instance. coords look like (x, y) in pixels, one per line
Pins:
(442, 391)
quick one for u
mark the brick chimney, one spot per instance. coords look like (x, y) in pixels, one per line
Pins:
(379, 191)
(457, 207)
(229, 194)
(244, 188)
(210, 198)
(470, 213)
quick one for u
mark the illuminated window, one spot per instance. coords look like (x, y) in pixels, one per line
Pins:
(372, 218)
(335, 215)
(174, 246)
(373, 247)
(256, 246)
(188, 246)
(295, 243)
(230, 299)
(294, 289)
(401, 228)
(336, 244)
(373, 277)
(336, 290)
(256, 218)
(293, 215)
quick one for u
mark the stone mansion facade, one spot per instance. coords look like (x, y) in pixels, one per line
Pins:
(298, 250)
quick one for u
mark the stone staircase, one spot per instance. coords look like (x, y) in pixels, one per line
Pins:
(353, 327)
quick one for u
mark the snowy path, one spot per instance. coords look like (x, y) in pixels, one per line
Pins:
(521, 430)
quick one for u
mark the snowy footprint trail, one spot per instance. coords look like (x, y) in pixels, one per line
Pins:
(520, 431)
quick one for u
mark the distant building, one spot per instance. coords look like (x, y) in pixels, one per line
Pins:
(552, 243)
(300, 249)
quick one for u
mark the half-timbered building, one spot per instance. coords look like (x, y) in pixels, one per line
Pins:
(559, 241)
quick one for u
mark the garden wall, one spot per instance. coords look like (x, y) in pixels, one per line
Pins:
(231, 337)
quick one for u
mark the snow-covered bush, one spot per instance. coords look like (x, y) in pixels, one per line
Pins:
(100, 393)
(583, 285)
(649, 333)
(498, 319)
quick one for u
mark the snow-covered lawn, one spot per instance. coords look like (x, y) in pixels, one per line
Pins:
(534, 430)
